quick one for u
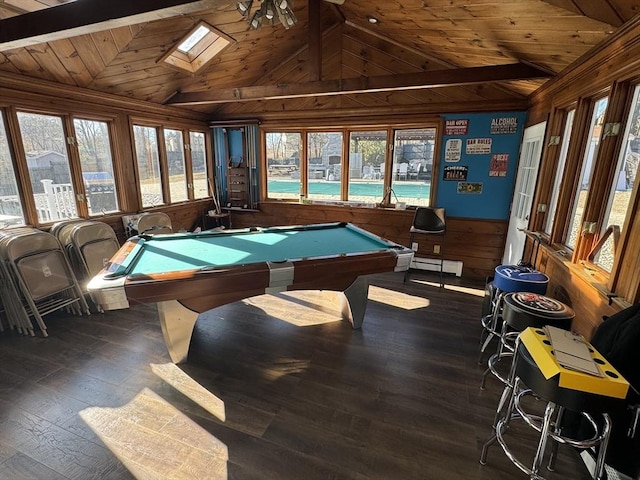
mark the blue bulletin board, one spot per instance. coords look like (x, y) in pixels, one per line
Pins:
(478, 164)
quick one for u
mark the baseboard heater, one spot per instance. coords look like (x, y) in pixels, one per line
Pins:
(433, 265)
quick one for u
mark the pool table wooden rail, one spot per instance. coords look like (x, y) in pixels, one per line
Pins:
(182, 295)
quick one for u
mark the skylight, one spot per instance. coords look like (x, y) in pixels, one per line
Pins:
(192, 39)
(197, 48)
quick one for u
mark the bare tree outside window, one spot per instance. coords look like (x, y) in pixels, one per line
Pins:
(176, 163)
(96, 163)
(199, 165)
(44, 143)
(148, 161)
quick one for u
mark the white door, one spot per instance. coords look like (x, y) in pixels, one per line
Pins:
(528, 163)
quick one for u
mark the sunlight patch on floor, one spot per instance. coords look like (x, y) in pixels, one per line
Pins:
(397, 299)
(155, 441)
(178, 379)
(303, 308)
(454, 288)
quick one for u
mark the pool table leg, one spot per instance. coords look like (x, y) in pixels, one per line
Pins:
(177, 324)
(354, 301)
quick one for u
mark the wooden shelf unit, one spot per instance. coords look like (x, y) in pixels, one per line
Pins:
(238, 187)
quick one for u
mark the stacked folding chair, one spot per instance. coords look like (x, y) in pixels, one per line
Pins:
(154, 222)
(89, 245)
(36, 279)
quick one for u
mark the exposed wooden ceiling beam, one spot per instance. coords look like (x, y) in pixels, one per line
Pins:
(347, 86)
(600, 11)
(90, 16)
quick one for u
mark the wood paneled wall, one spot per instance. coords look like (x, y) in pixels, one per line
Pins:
(613, 68)
(477, 243)
(186, 217)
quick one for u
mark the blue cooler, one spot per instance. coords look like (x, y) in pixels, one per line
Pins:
(515, 278)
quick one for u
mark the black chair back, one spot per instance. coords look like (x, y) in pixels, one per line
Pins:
(429, 220)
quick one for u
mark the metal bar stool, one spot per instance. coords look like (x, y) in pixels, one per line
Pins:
(535, 373)
(507, 279)
(429, 221)
(521, 310)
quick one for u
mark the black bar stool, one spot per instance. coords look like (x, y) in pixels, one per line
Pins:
(507, 279)
(589, 396)
(521, 310)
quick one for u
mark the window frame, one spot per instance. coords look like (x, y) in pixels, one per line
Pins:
(620, 97)
(73, 157)
(186, 130)
(346, 130)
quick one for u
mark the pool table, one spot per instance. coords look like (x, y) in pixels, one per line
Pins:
(190, 273)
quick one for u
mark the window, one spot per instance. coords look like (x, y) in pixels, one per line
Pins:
(183, 168)
(176, 162)
(283, 164)
(413, 165)
(199, 165)
(367, 152)
(11, 212)
(623, 182)
(324, 165)
(586, 171)
(148, 163)
(96, 164)
(553, 203)
(310, 163)
(45, 148)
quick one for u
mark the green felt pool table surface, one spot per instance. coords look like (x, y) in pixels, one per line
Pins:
(178, 252)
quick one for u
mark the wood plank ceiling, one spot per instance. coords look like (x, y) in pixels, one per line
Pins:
(411, 37)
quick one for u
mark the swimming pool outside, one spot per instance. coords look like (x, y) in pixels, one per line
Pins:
(414, 193)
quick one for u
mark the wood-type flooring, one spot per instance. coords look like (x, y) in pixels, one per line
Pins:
(276, 387)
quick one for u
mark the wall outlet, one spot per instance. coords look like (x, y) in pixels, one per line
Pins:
(436, 248)
(414, 246)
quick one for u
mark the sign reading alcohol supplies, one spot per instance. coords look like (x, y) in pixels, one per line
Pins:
(458, 126)
(478, 146)
(453, 150)
(504, 125)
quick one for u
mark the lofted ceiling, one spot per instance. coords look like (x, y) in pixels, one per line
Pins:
(421, 52)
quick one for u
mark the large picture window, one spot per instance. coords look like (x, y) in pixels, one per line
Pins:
(382, 165)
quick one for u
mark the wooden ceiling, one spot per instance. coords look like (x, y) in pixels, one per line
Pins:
(420, 53)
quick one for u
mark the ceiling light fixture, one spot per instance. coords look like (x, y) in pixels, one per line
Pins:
(269, 11)
(244, 8)
(372, 19)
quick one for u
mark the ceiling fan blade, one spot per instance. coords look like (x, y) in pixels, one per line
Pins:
(337, 2)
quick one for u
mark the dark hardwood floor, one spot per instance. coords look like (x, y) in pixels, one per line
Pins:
(276, 387)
